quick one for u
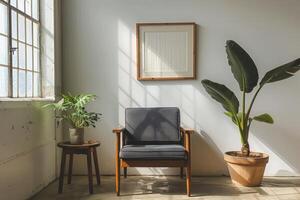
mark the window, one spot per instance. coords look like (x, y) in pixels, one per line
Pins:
(20, 49)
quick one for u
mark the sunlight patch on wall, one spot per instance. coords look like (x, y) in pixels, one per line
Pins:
(198, 111)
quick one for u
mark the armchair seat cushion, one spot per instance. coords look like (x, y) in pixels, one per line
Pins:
(153, 152)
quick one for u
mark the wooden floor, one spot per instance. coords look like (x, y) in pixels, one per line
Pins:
(172, 187)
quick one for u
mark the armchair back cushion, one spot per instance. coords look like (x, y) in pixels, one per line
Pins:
(152, 126)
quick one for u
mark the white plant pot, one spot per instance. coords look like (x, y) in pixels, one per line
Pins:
(76, 135)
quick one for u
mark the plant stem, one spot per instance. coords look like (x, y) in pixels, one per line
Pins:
(252, 102)
(243, 114)
(243, 123)
(248, 128)
(246, 147)
(238, 124)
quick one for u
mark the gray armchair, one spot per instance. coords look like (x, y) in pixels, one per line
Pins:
(152, 137)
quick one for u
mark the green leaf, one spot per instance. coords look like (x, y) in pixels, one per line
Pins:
(229, 114)
(56, 106)
(264, 118)
(282, 72)
(242, 66)
(232, 117)
(72, 109)
(223, 95)
(84, 99)
(49, 105)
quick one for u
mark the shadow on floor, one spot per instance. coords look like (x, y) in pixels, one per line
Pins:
(172, 187)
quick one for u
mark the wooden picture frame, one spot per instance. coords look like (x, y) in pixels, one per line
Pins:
(166, 51)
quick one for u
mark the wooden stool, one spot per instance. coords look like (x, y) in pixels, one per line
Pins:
(86, 149)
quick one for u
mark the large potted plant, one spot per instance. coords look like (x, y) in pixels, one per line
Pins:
(246, 167)
(72, 109)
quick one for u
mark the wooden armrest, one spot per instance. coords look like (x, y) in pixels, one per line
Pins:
(186, 133)
(118, 130)
(187, 130)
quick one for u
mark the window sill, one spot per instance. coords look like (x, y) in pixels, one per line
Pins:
(48, 99)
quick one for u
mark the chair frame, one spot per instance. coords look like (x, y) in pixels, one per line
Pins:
(185, 134)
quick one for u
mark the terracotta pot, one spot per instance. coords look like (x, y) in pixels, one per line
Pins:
(246, 171)
(76, 135)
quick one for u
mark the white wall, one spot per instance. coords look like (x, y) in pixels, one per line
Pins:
(28, 140)
(27, 149)
(99, 57)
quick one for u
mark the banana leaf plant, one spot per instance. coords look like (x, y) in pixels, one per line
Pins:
(245, 72)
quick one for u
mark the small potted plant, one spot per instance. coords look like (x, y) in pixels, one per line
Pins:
(72, 109)
(246, 167)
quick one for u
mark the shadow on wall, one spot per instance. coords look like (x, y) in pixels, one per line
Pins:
(288, 153)
(208, 149)
(104, 63)
(197, 111)
(132, 93)
(283, 136)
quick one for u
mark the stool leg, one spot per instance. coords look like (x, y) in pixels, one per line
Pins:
(90, 175)
(96, 165)
(62, 170)
(70, 168)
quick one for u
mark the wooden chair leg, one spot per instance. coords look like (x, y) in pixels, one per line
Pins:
(70, 168)
(117, 164)
(181, 172)
(118, 176)
(125, 172)
(62, 170)
(188, 180)
(90, 174)
(96, 165)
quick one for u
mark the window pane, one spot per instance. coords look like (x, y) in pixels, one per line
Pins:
(22, 85)
(3, 19)
(14, 24)
(21, 5)
(3, 81)
(36, 35)
(36, 60)
(29, 57)
(13, 3)
(35, 9)
(29, 84)
(15, 53)
(3, 50)
(25, 41)
(15, 82)
(36, 85)
(28, 31)
(28, 7)
(21, 27)
(22, 63)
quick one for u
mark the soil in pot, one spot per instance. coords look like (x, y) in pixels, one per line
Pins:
(246, 171)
